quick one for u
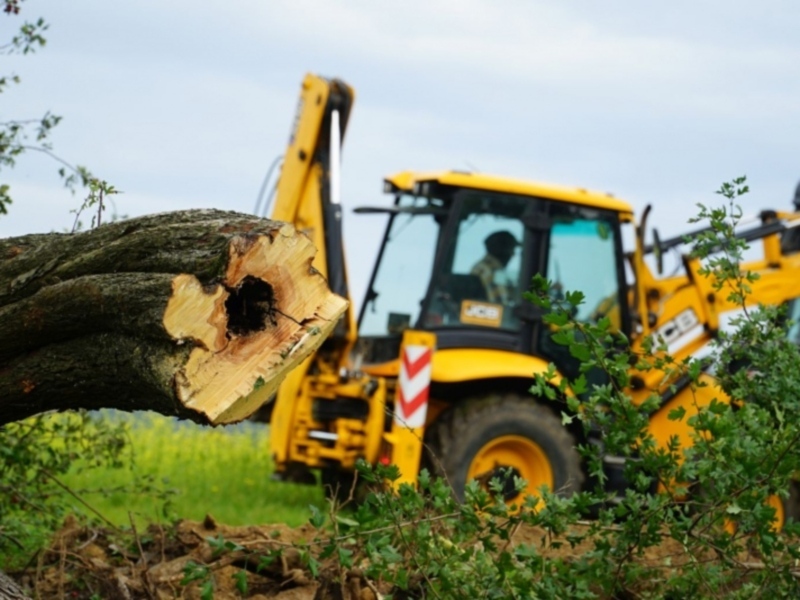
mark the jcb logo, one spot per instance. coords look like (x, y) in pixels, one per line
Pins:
(672, 330)
(481, 313)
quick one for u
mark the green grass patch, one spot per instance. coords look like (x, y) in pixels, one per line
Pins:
(223, 471)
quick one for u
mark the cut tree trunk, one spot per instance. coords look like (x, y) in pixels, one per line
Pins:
(198, 314)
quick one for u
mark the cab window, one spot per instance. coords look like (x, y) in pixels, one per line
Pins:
(582, 257)
(480, 279)
(401, 276)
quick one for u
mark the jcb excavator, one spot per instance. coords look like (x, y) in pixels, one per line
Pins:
(443, 352)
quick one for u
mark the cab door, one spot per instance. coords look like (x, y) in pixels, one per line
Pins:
(490, 252)
(583, 252)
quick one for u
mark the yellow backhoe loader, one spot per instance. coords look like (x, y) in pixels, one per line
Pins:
(445, 348)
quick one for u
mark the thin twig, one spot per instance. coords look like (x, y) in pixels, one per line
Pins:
(142, 558)
(69, 490)
(401, 533)
(52, 155)
(372, 587)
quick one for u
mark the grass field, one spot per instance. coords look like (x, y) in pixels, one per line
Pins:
(223, 471)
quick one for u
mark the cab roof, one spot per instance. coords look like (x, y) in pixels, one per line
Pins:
(406, 180)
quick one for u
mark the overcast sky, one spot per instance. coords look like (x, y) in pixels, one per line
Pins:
(184, 104)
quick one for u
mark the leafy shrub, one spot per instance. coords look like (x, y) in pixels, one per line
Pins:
(34, 454)
(695, 520)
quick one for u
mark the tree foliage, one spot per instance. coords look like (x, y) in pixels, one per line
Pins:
(35, 452)
(19, 136)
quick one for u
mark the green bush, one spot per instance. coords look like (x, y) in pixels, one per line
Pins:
(34, 455)
(694, 522)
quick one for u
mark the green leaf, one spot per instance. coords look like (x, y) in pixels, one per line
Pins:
(559, 318)
(193, 571)
(219, 545)
(240, 577)
(562, 338)
(733, 509)
(267, 560)
(345, 557)
(677, 414)
(390, 554)
(580, 351)
(313, 566)
(579, 385)
(575, 298)
(347, 521)
(317, 518)
(207, 591)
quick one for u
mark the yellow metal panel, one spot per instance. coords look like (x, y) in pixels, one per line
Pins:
(406, 179)
(406, 442)
(467, 364)
(387, 369)
(414, 337)
(406, 446)
(302, 143)
(373, 427)
(309, 219)
(690, 399)
(283, 414)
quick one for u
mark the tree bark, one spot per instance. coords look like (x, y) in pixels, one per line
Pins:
(9, 590)
(198, 314)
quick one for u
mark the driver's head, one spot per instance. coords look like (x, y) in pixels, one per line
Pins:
(501, 245)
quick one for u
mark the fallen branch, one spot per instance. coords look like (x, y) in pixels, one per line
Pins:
(198, 314)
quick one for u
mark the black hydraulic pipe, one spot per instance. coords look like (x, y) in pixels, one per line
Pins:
(748, 236)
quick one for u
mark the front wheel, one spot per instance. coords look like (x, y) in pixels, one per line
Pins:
(504, 436)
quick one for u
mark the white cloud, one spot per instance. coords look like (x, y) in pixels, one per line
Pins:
(186, 103)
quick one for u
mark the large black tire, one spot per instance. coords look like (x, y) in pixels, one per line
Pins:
(487, 437)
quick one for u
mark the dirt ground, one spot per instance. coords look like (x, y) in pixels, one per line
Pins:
(86, 563)
(89, 563)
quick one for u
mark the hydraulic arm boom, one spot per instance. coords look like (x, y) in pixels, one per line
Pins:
(308, 189)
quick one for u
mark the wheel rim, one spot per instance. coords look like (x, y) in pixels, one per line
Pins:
(778, 523)
(511, 456)
(780, 512)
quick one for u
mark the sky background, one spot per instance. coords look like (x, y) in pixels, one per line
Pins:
(184, 104)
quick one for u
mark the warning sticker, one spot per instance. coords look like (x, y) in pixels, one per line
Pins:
(481, 313)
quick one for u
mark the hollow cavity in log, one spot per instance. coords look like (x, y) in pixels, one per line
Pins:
(250, 306)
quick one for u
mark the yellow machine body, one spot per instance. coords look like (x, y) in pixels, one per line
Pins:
(301, 434)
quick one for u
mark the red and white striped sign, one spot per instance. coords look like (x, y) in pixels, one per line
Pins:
(411, 407)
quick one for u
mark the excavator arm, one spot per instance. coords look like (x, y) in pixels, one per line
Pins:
(686, 309)
(308, 196)
(308, 189)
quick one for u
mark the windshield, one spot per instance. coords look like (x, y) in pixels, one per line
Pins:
(481, 276)
(404, 269)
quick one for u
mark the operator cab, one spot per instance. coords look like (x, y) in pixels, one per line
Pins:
(460, 250)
